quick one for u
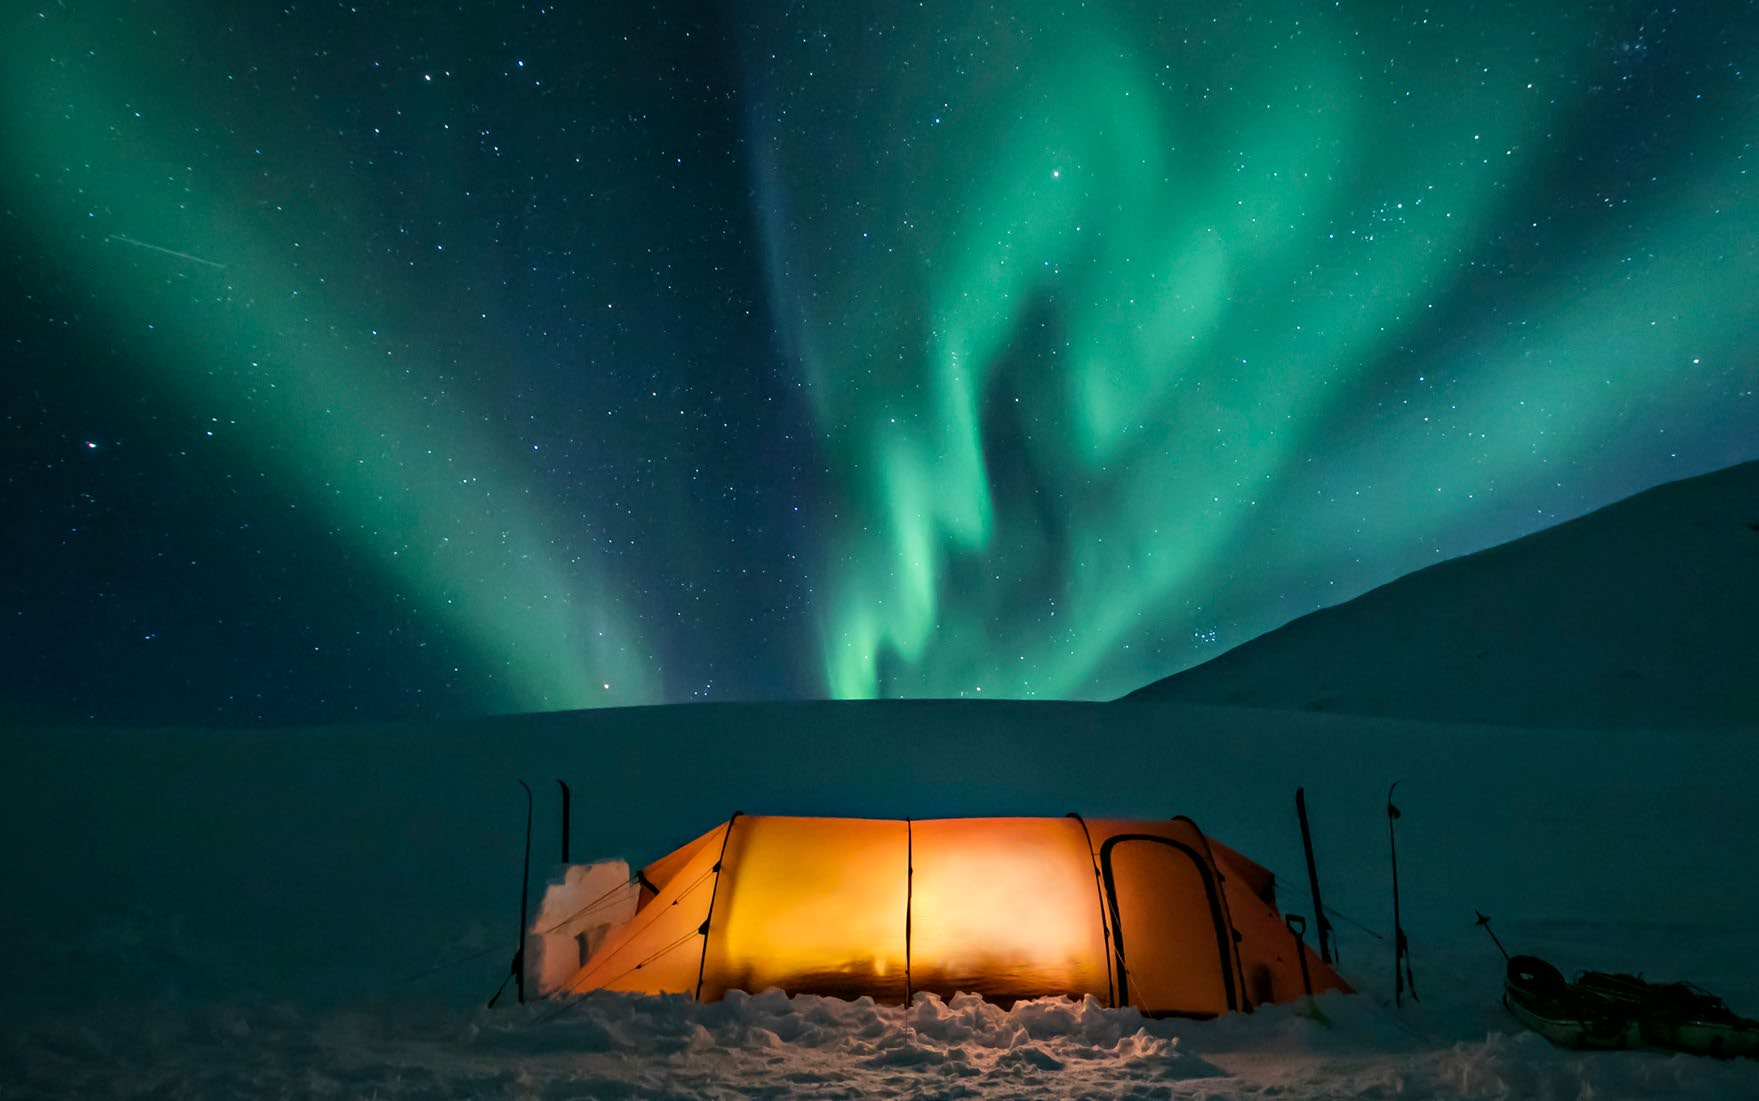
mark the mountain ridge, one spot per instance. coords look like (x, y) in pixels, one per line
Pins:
(1642, 613)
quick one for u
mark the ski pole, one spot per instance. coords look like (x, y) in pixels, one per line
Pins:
(1484, 923)
(517, 969)
(1402, 977)
(524, 898)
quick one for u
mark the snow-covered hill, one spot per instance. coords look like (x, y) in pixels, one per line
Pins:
(1644, 613)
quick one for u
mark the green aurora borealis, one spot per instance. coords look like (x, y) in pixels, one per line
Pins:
(426, 495)
(1187, 275)
(1114, 335)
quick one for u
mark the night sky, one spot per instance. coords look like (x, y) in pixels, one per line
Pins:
(377, 361)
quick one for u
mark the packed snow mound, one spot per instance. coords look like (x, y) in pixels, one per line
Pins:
(1638, 615)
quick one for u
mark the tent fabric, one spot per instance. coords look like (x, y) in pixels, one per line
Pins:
(1150, 914)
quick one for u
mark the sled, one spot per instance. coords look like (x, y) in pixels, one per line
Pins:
(1606, 1011)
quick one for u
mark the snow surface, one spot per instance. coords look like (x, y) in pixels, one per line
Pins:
(769, 1045)
(1644, 613)
(322, 913)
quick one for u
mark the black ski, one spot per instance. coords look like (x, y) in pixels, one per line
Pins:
(518, 969)
(1322, 925)
(1402, 979)
(567, 808)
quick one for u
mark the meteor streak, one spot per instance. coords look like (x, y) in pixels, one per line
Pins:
(163, 249)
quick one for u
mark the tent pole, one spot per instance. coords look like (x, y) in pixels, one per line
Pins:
(1105, 929)
(1233, 945)
(702, 966)
(909, 900)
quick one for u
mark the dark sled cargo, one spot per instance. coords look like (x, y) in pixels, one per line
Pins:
(1602, 1010)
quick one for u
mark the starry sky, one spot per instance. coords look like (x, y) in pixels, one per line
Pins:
(371, 361)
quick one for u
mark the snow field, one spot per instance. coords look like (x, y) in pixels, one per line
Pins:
(322, 914)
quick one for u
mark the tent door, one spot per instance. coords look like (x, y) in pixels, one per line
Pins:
(1171, 944)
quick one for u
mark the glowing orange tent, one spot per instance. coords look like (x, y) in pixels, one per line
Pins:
(1150, 914)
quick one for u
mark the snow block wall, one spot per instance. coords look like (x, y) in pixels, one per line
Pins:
(581, 905)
